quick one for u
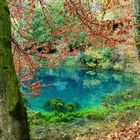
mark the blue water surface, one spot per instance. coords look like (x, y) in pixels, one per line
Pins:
(84, 86)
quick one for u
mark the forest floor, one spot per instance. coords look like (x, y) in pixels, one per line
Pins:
(131, 132)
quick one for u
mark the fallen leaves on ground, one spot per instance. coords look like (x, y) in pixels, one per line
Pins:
(131, 132)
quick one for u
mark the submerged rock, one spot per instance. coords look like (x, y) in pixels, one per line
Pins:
(54, 105)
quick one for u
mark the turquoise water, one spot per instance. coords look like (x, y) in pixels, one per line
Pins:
(86, 87)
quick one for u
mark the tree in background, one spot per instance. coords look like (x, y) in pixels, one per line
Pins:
(52, 31)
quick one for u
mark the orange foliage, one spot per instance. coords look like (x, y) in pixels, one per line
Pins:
(99, 28)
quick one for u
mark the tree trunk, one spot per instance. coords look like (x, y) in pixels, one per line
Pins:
(13, 120)
(137, 17)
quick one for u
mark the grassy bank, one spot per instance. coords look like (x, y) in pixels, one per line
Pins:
(116, 111)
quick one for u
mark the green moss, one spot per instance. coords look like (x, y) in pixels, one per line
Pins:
(59, 117)
(38, 118)
(94, 113)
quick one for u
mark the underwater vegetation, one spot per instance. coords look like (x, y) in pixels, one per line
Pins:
(54, 105)
(63, 118)
(57, 105)
(112, 106)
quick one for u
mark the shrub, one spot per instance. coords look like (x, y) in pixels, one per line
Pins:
(103, 57)
(91, 58)
(118, 66)
(107, 53)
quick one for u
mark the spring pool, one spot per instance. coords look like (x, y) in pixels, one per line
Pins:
(82, 86)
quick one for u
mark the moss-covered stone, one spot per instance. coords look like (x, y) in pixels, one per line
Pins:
(13, 126)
